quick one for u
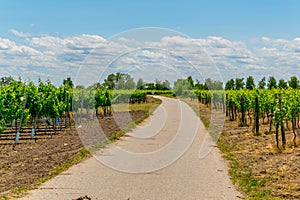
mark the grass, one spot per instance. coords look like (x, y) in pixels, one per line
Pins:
(124, 107)
(242, 175)
(168, 95)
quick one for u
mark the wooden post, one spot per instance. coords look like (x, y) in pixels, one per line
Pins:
(276, 133)
(226, 106)
(243, 110)
(81, 105)
(294, 132)
(256, 116)
(21, 121)
(281, 122)
(223, 104)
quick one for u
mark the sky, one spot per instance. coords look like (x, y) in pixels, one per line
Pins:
(239, 37)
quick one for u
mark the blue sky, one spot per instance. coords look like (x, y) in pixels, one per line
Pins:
(232, 19)
(240, 37)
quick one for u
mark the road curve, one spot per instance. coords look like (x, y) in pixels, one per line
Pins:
(157, 160)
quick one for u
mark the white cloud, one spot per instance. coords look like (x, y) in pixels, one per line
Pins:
(20, 34)
(54, 56)
(11, 48)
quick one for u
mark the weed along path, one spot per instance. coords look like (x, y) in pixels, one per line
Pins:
(159, 159)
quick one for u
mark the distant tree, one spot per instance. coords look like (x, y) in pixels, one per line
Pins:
(230, 85)
(119, 81)
(262, 83)
(79, 87)
(140, 84)
(239, 83)
(250, 85)
(6, 80)
(213, 85)
(150, 86)
(158, 85)
(166, 85)
(282, 84)
(208, 83)
(294, 82)
(272, 83)
(97, 86)
(68, 82)
(218, 85)
(190, 81)
(129, 83)
(200, 86)
(110, 81)
(182, 87)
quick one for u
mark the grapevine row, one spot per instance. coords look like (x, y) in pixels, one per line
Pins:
(26, 104)
(280, 108)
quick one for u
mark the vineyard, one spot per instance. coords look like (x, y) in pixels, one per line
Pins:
(279, 108)
(39, 126)
(31, 112)
(44, 108)
(259, 138)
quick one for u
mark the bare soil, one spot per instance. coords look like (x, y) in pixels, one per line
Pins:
(33, 159)
(278, 168)
(270, 170)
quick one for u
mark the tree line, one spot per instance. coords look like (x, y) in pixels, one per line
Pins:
(122, 81)
(272, 83)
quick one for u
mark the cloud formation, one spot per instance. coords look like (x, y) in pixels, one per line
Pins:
(58, 57)
(20, 34)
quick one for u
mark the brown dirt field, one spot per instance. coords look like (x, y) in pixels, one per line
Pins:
(32, 160)
(280, 169)
(276, 171)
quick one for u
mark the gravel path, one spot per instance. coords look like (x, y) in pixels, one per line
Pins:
(157, 160)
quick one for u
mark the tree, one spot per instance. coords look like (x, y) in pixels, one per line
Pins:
(68, 82)
(120, 84)
(79, 87)
(218, 85)
(208, 83)
(140, 84)
(119, 81)
(129, 83)
(272, 83)
(230, 85)
(182, 87)
(294, 82)
(262, 83)
(110, 81)
(200, 86)
(282, 84)
(150, 86)
(190, 81)
(239, 83)
(213, 85)
(6, 80)
(166, 85)
(158, 85)
(250, 83)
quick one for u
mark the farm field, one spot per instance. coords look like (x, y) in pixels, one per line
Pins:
(256, 165)
(256, 129)
(160, 174)
(150, 100)
(32, 162)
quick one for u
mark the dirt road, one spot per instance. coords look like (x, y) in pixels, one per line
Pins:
(157, 160)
